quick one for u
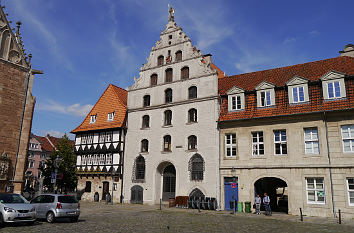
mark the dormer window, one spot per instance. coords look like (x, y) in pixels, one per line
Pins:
(333, 89)
(93, 119)
(265, 98)
(110, 116)
(298, 94)
(333, 85)
(298, 90)
(265, 94)
(236, 102)
(236, 99)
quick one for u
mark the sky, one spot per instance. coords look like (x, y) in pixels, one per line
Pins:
(84, 45)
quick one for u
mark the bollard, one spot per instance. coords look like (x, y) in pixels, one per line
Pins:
(198, 203)
(160, 204)
(233, 209)
(301, 217)
(340, 217)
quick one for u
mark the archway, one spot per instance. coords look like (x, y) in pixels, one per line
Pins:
(277, 190)
(169, 183)
(136, 195)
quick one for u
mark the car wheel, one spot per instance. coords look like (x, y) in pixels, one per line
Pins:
(74, 219)
(50, 217)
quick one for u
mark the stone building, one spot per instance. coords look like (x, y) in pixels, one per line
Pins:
(289, 132)
(172, 142)
(99, 146)
(16, 106)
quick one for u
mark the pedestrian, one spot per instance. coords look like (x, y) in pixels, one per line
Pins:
(266, 202)
(257, 202)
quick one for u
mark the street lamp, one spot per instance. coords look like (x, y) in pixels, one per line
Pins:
(56, 166)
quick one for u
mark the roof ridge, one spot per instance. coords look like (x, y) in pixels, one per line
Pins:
(121, 89)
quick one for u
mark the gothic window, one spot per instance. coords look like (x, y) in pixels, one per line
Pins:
(167, 143)
(140, 168)
(192, 92)
(168, 95)
(185, 73)
(144, 145)
(160, 60)
(146, 100)
(179, 55)
(192, 115)
(168, 117)
(153, 80)
(196, 167)
(168, 75)
(192, 142)
(146, 121)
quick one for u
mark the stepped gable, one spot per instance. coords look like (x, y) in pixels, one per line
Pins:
(311, 71)
(114, 99)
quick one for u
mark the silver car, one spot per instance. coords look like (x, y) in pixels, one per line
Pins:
(54, 206)
(15, 208)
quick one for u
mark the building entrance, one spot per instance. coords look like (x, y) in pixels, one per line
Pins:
(105, 190)
(169, 183)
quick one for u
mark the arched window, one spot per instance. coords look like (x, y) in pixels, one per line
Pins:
(192, 142)
(168, 74)
(146, 121)
(168, 95)
(192, 115)
(160, 60)
(144, 145)
(153, 80)
(168, 117)
(179, 55)
(185, 73)
(196, 167)
(146, 100)
(140, 168)
(167, 143)
(192, 92)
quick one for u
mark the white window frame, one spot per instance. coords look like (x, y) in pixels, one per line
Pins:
(350, 138)
(281, 142)
(89, 139)
(312, 140)
(110, 116)
(89, 160)
(296, 96)
(266, 94)
(256, 145)
(31, 164)
(334, 89)
(108, 137)
(93, 119)
(83, 160)
(236, 102)
(350, 190)
(102, 159)
(316, 190)
(231, 146)
(109, 159)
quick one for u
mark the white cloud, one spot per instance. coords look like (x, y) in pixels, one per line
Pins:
(55, 133)
(74, 109)
(289, 40)
(314, 33)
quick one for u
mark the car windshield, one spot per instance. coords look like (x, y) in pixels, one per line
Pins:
(12, 198)
(67, 199)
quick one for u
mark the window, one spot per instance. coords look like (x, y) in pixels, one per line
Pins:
(168, 95)
(110, 116)
(93, 119)
(146, 101)
(185, 73)
(101, 137)
(236, 102)
(257, 143)
(31, 155)
(167, 143)
(192, 115)
(168, 75)
(31, 164)
(43, 156)
(109, 136)
(230, 145)
(84, 139)
(315, 191)
(280, 142)
(192, 92)
(298, 94)
(168, 117)
(144, 145)
(196, 167)
(140, 168)
(89, 160)
(146, 121)
(95, 159)
(333, 90)
(311, 141)
(192, 142)
(89, 138)
(179, 55)
(348, 138)
(153, 80)
(88, 187)
(350, 187)
(109, 158)
(160, 60)
(83, 160)
(102, 159)
(265, 98)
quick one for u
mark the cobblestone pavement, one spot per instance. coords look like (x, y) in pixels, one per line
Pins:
(98, 217)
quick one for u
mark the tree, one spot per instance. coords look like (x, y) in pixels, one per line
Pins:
(66, 166)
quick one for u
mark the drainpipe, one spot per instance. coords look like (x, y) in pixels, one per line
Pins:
(220, 182)
(329, 163)
(122, 165)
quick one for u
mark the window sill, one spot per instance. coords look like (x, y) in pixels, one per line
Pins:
(167, 126)
(312, 156)
(145, 128)
(139, 181)
(281, 155)
(236, 110)
(192, 150)
(166, 152)
(191, 123)
(144, 152)
(230, 157)
(258, 157)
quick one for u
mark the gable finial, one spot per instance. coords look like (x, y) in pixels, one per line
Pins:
(171, 14)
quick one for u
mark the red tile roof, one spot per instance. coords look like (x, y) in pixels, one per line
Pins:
(47, 141)
(312, 71)
(114, 99)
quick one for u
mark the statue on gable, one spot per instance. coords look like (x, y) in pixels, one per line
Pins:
(171, 14)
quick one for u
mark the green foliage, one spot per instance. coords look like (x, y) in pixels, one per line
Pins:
(67, 162)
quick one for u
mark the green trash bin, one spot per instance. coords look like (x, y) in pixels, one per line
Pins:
(240, 206)
(248, 207)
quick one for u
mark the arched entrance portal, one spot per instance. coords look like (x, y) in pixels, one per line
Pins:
(169, 183)
(136, 194)
(277, 190)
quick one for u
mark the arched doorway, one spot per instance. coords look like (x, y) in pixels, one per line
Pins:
(136, 195)
(277, 190)
(169, 183)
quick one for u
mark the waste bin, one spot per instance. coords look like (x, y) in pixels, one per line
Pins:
(240, 206)
(96, 197)
(248, 207)
(232, 206)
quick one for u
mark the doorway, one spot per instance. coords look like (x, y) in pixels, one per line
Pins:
(231, 192)
(136, 196)
(169, 183)
(105, 190)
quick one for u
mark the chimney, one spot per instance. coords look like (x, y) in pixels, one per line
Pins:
(348, 51)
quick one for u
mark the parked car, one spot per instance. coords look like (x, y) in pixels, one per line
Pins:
(15, 208)
(54, 206)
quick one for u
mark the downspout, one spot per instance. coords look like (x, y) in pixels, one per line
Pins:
(329, 163)
(122, 163)
(220, 182)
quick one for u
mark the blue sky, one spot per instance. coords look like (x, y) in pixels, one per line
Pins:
(84, 45)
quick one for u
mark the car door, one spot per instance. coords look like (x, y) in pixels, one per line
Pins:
(36, 202)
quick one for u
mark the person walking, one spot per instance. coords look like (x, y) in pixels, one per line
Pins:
(257, 202)
(266, 202)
